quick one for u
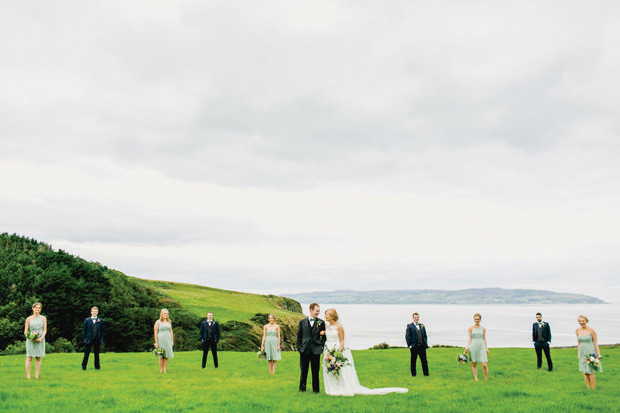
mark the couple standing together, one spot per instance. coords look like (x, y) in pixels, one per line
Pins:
(313, 338)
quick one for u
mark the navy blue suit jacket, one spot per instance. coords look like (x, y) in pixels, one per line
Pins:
(87, 331)
(546, 330)
(203, 331)
(412, 335)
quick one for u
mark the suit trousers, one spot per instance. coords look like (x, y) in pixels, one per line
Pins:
(415, 352)
(314, 362)
(539, 347)
(95, 346)
(206, 345)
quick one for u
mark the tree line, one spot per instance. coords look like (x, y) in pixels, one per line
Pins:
(68, 286)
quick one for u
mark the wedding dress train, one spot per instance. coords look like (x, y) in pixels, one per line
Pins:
(347, 384)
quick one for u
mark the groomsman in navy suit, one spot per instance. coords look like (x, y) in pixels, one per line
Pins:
(209, 335)
(541, 336)
(92, 332)
(417, 342)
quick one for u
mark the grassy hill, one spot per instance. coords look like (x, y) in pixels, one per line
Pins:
(68, 286)
(132, 383)
(242, 313)
(226, 305)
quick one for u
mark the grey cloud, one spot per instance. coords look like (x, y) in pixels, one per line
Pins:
(511, 103)
(82, 220)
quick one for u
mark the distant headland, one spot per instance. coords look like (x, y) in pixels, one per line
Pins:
(467, 296)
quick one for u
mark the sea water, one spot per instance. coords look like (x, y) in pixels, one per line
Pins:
(507, 325)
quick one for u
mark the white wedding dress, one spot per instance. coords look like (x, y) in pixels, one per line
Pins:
(347, 384)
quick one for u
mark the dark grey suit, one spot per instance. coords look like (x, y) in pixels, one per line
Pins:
(310, 344)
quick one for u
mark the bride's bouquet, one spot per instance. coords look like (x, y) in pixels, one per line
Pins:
(32, 335)
(335, 361)
(593, 361)
(462, 359)
(261, 354)
(160, 352)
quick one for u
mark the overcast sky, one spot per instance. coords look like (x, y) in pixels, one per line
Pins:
(289, 146)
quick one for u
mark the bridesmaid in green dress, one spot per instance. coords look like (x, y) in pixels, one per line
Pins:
(477, 347)
(35, 348)
(587, 343)
(271, 343)
(164, 339)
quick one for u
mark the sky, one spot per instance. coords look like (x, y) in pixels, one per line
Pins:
(295, 146)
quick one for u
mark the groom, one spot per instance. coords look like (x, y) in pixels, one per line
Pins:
(92, 333)
(310, 342)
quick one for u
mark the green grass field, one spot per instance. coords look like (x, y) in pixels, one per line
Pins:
(132, 382)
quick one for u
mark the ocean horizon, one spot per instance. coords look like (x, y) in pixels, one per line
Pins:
(507, 325)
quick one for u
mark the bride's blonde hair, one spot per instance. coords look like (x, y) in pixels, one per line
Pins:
(333, 313)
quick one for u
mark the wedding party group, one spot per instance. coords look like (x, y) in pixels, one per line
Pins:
(320, 343)
(35, 330)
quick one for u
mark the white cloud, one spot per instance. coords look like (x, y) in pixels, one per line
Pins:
(251, 143)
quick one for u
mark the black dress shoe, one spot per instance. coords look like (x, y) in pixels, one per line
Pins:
(427, 375)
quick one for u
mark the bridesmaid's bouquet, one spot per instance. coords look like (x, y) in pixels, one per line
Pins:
(32, 335)
(160, 352)
(335, 361)
(261, 354)
(593, 361)
(462, 359)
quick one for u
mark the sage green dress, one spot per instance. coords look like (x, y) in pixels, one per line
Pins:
(586, 347)
(164, 339)
(271, 345)
(477, 350)
(36, 349)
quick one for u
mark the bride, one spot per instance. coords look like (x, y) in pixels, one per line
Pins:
(347, 384)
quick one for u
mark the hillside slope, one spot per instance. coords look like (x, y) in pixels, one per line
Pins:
(241, 313)
(68, 286)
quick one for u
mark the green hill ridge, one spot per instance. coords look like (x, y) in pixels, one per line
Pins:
(68, 286)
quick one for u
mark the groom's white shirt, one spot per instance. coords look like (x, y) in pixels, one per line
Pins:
(311, 322)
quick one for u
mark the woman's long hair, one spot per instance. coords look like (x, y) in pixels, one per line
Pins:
(161, 315)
